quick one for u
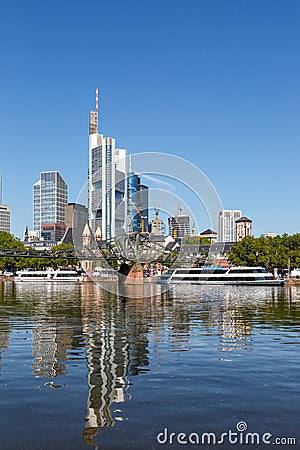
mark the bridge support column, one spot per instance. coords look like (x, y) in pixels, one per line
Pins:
(135, 275)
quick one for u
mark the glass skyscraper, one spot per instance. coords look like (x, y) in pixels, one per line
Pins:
(137, 208)
(107, 187)
(50, 196)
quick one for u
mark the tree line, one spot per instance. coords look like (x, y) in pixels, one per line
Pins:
(279, 252)
(9, 241)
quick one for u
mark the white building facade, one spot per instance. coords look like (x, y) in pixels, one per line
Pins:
(5, 218)
(0, 189)
(227, 225)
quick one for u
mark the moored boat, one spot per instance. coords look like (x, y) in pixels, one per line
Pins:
(48, 275)
(295, 274)
(222, 276)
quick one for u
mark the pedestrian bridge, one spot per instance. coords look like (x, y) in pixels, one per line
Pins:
(129, 249)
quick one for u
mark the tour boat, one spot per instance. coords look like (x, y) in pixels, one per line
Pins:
(295, 273)
(221, 276)
(48, 275)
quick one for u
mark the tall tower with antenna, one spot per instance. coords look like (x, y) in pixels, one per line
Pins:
(107, 202)
(94, 122)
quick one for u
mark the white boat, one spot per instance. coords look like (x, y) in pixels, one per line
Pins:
(48, 275)
(221, 276)
(295, 273)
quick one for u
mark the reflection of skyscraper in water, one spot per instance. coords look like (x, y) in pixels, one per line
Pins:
(48, 350)
(107, 358)
(227, 318)
(5, 290)
(235, 330)
(4, 337)
(110, 358)
(50, 343)
(51, 338)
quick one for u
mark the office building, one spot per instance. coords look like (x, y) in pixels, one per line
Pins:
(227, 226)
(53, 231)
(180, 225)
(50, 196)
(137, 205)
(5, 218)
(4, 212)
(243, 228)
(107, 186)
(77, 217)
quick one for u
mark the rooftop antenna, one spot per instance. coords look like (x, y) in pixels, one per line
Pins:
(97, 108)
(130, 164)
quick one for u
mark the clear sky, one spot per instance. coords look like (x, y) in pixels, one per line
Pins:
(215, 82)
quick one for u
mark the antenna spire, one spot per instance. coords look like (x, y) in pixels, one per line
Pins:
(97, 108)
(130, 164)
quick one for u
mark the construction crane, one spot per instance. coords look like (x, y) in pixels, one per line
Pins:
(140, 215)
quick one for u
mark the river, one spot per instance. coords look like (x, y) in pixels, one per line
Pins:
(81, 367)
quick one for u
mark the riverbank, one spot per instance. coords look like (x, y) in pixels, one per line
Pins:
(293, 282)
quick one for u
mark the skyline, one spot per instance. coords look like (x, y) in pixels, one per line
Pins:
(214, 84)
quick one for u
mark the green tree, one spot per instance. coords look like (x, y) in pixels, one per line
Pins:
(269, 252)
(9, 241)
(195, 240)
(58, 261)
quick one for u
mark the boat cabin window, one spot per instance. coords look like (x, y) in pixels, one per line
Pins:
(244, 270)
(66, 274)
(188, 271)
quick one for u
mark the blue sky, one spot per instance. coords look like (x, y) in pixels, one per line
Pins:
(215, 82)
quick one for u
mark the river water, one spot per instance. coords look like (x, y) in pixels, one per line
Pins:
(83, 368)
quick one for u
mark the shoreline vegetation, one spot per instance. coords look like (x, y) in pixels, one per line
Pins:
(280, 253)
(7, 240)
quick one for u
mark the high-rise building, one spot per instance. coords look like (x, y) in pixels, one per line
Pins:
(243, 228)
(77, 217)
(50, 196)
(5, 218)
(180, 225)
(107, 186)
(4, 212)
(227, 226)
(137, 205)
